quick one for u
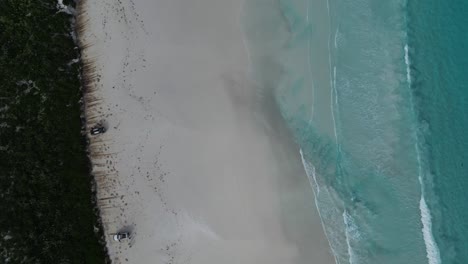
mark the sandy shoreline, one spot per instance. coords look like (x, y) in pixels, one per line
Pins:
(193, 164)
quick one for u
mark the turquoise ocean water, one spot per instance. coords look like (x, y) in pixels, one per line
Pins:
(438, 54)
(375, 95)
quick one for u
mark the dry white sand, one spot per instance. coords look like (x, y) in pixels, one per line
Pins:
(193, 164)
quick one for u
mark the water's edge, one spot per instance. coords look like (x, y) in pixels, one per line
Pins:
(341, 75)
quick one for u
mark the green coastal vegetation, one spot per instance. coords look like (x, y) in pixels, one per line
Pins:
(46, 201)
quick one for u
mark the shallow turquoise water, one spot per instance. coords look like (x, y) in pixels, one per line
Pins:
(374, 94)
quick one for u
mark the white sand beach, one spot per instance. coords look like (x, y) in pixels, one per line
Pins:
(192, 164)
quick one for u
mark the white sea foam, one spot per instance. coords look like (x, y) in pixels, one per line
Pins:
(407, 62)
(336, 38)
(310, 171)
(433, 254)
(311, 175)
(432, 250)
(334, 102)
(333, 96)
(351, 232)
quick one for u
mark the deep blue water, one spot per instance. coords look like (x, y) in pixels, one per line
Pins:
(375, 95)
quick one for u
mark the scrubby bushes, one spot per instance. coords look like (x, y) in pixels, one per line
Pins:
(46, 213)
